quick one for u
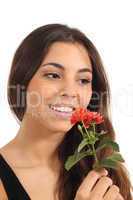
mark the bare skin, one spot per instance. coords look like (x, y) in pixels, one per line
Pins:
(32, 154)
(98, 186)
(38, 181)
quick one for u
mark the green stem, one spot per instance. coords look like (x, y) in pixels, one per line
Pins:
(94, 152)
(94, 128)
(93, 148)
(86, 133)
(82, 132)
(86, 130)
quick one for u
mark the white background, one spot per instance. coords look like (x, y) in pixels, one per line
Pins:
(109, 24)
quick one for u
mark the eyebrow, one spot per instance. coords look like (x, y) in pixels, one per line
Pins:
(59, 66)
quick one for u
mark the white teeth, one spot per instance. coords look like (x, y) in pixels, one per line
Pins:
(62, 109)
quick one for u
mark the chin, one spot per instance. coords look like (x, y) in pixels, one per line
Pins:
(61, 127)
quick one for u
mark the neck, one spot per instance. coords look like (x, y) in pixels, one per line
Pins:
(38, 144)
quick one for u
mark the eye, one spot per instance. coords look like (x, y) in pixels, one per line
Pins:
(85, 81)
(51, 75)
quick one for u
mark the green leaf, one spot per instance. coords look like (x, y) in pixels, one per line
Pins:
(110, 161)
(102, 135)
(116, 157)
(73, 159)
(92, 141)
(83, 143)
(107, 142)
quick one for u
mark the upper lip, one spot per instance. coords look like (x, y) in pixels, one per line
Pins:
(64, 105)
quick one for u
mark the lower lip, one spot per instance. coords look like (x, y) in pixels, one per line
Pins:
(63, 115)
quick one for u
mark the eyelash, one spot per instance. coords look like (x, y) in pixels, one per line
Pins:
(87, 81)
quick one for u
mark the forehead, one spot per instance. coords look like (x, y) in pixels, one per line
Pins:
(68, 54)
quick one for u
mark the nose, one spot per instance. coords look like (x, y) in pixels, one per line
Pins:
(69, 90)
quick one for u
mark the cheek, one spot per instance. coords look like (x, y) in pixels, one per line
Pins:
(85, 98)
(33, 97)
(48, 94)
(39, 93)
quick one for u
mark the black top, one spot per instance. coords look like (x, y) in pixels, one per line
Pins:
(13, 187)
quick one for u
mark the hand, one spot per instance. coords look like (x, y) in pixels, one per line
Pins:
(97, 186)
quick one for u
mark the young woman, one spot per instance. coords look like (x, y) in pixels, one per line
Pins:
(53, 68)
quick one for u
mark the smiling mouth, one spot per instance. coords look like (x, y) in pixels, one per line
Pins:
(62, 108)
(60, 112)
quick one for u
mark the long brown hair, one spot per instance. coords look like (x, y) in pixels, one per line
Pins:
(27, 59)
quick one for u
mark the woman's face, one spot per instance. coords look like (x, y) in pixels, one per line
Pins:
(62, 82)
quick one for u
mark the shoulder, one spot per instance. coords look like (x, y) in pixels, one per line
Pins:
(7, 151)
(3, 195)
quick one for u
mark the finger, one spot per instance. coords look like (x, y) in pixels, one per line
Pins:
(119, 197)
(91, 179)
(101, 187)
(112, 193)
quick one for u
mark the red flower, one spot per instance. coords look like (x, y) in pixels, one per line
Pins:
(78, 115)
(82, 114)
(97, 118)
